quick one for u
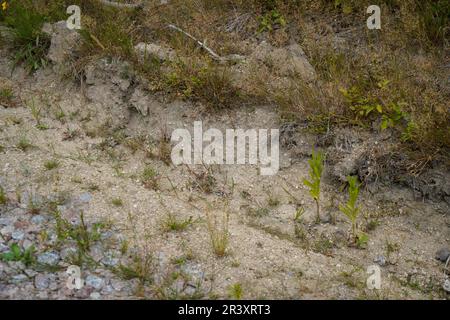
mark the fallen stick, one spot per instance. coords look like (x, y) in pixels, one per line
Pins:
(122, 5)
(215, 56)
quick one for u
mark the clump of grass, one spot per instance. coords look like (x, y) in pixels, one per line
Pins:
(315, 173)
(30, 43)
(299, 230)
(51, 164)
(218, 232)
(15, 253)
(150, 178)
(350, 209)
(117, 202)
(6, 97)
(172, 223)
(236, 291)
(140, 267)
(3, 197)
(23, 144)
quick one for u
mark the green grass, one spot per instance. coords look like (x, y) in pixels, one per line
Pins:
(315, 173)
(117, 202)
(51, 164)
(15, 253)
(23, 144)
(30, 43)
(3, 197)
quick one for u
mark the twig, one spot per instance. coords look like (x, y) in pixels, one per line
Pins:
(122, 5)
(214, 55)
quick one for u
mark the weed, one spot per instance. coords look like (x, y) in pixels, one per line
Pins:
(298, 226)
(351, 210)
(150, 178)
(15, 253)
(31, 44)
(235, 291)
(3, 197)
(315, 173)
(6, 97)
(83, 236)
(218, 232)
(51, 164)
(171, 223)
(117, 202)
(23, 144)
(140, 267)
(271, 20)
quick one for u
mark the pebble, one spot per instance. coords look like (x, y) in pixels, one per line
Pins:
(41, 281)
(94, 282)
(19, 278)
(380, 260)
(38, 219)
(443, 254)
(17, 235)
(95, 296)
(48, 258)
(6, 231)
(85, 197)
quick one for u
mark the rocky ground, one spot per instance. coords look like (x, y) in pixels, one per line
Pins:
(87, 181)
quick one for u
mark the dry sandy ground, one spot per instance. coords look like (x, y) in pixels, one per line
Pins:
(264, 256)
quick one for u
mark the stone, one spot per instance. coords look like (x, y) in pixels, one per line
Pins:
(95, 296)
(380, 260)
(42, 281)
(64, 42)
(18, 279)
(37, 219)
(149, 50)
(67, 253)
(50, 258)
(17, 235)
(442, 254)
(94, 282)
(118, 285)
(287, 61)
(85, 197)
(7, 231)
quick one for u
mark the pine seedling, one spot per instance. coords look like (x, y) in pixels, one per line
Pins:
(315, 173)
(351, 210)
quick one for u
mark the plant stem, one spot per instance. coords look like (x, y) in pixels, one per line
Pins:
(317, 211)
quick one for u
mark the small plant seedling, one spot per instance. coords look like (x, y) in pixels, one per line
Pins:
(218, 233)
(235, 291)
(16, 254)
(150, 178)
(51, 164)
(117, 202)
(351, 210)
(299, 230)
(3, 198)
(315, 173)
(24, 144)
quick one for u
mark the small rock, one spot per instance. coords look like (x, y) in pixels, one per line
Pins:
(38, 219)
(17, 235)
(42, 281)
(110, 259)
(443, 254)
(85, 197)
(68, 253)
(118, 285)
(94, 282)
(19, 278)
(380, 260)
(7, 231)
(5, 221)
(95, 296)
(49, 258)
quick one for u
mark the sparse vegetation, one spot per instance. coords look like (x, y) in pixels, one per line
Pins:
(218, 231)
(51, 164)
(350, 209)
(15, 253)
(315, 173)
